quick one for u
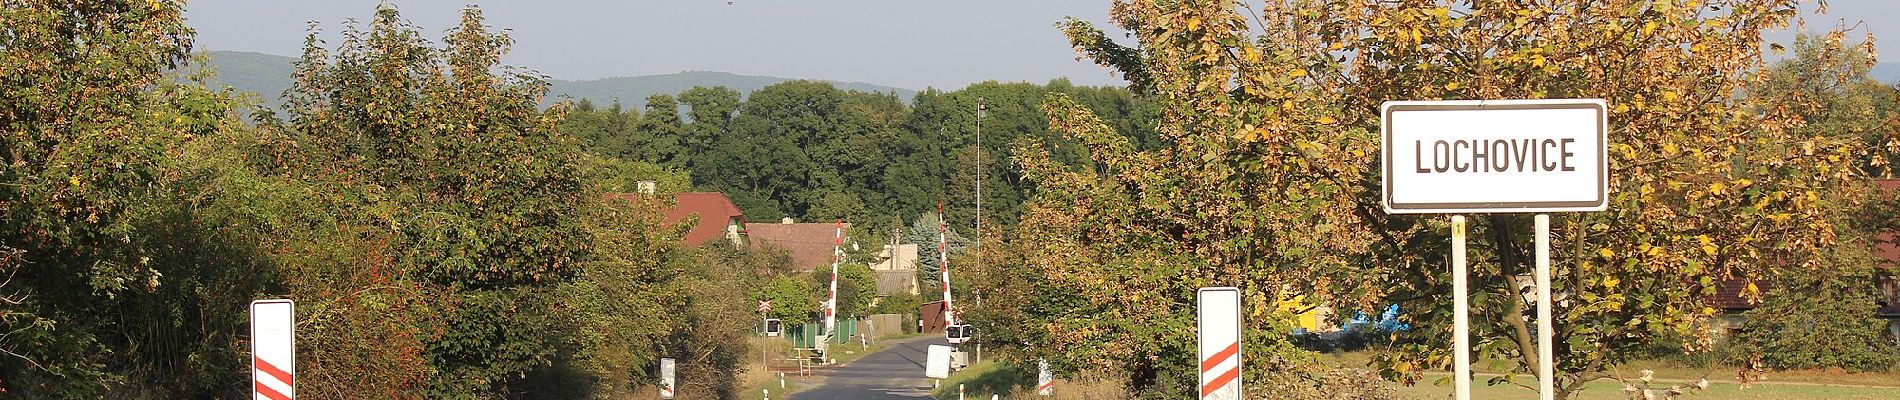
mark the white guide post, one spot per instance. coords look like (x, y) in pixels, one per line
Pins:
(1217, 317)
(1546, 352)
(1461, 311)
(1045, 381)
(273, 349)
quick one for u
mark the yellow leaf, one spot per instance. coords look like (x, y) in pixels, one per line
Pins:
(1326, 120)
(1453, 86)
(1610, 281)
(1194, 23)
(1606, 253)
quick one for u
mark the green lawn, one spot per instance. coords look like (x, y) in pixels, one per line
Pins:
(1793, 385)
(984, 379)
(1612, 390)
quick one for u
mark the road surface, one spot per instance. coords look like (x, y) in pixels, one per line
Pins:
(897, 372)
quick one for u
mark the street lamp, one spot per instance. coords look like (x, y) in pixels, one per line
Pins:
(980, 108)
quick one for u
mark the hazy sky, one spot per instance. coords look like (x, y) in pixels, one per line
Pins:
(909, 44)
(905, 43)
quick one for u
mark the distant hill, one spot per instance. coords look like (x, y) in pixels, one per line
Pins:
(1887, 73)
(265, 75)
(269, 75)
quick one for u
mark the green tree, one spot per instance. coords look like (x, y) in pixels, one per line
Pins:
(656, 139)
(479, 193)
(608, 132)
(923, 231)
(791, 297)
(1822, 320)
(711, 110)
(857, 287)
(84, 151)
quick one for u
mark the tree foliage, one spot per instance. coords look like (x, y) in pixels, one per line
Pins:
(1811, 320)
(86, 146)
(1264, 179)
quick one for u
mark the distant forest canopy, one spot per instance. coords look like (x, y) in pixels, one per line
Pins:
(813, 152)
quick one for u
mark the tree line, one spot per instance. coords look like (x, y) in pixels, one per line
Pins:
(441, 234)
(443, 238)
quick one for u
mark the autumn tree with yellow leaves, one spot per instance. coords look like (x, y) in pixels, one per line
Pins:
(1268, 180)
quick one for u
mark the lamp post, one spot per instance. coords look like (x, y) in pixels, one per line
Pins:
(980, 108)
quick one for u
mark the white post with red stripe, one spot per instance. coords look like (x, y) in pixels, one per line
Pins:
(666, 378)
(1218, 317)
(1045, 381)
(273, 350)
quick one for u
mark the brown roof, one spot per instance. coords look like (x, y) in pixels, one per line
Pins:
(713, 209)
(895, 282)
(809, 243)
(1884, 244)
(1728, 295)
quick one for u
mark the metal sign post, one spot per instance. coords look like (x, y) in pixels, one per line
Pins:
(1546, 352)
(1461, 312)
(1218, 317)
(273, 350)
(1509, 156)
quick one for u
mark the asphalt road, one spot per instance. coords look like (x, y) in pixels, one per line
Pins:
(897, 372)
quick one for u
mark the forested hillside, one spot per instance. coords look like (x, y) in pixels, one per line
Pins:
(268, 75)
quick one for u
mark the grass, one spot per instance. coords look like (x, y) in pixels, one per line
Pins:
(987, 378)
(757, 377)
(1792, 385)
(983, 379)
(1613, 390)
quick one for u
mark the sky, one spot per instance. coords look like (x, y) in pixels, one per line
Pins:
(913, 44)
(902, 43)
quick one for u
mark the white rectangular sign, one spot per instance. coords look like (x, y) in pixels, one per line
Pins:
(937, 362)
(1218, 317)
(273, 350)
(666, 378)
(1494, 156)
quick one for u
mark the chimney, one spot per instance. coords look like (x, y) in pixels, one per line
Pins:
(786, 220)
(646, 187)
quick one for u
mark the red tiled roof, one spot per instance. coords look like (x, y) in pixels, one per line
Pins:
(713, 208)
(1728, 295)
(809, 243)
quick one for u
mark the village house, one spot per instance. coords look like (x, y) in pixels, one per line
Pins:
(810, 244)
(718, 217)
